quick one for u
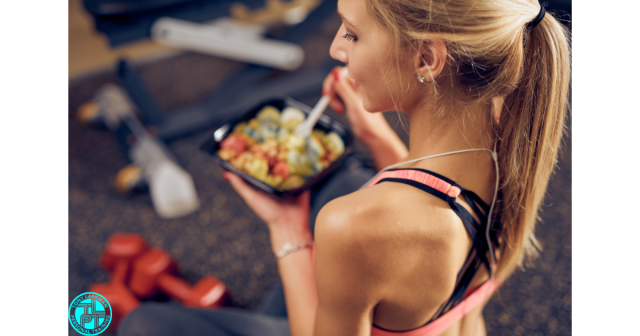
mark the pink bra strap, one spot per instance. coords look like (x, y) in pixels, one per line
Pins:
(448, 319)
(419, 176)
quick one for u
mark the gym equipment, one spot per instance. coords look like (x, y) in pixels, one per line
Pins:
(275, 11)
(117, 257)
(172, 189)
(109, 107)
(120, 251)
(125, 21)
(241, 37)
(230, 39)
(154, 271)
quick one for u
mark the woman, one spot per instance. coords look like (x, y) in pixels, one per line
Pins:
(484, 85)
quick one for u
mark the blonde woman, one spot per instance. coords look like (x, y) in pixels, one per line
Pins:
(422, 246)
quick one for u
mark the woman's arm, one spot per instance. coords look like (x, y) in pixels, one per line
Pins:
(340, 298)
(350, 277)
(298, 281)
(372, 128)
(288, 222)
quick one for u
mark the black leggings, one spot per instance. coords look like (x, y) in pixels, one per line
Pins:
(160, 319)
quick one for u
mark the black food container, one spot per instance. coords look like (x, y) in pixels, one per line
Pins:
(325, 124)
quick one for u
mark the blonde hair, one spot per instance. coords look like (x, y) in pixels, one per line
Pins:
(493, 54)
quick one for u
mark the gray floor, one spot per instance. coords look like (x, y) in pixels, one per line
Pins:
(225, 239)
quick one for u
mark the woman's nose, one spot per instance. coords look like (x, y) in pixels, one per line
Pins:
(337, 49)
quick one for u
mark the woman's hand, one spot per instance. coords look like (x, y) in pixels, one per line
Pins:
(371, 128)
(287, 219)
(344, 92)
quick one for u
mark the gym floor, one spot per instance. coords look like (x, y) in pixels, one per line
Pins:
(224, 238)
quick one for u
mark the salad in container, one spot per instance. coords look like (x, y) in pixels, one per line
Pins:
(262, 147)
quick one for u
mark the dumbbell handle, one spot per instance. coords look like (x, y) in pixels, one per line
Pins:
(174, 287)
(156, 270)
(193, 296)
(119, 274)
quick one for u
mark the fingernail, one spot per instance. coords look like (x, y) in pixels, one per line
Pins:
(226, 177)
(336, 74)
(324, 92)
(339, 109)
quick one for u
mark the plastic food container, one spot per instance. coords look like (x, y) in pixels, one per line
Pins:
(325, 124)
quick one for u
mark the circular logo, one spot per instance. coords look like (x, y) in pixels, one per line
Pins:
(90, 313)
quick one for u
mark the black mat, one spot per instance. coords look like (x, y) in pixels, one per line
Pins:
(225, 239)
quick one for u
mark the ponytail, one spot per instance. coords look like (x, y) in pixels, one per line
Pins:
(531, 128)
(493, 54)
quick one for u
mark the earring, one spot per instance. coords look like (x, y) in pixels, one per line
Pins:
(420, 78)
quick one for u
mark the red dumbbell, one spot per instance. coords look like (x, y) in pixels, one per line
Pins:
(117, 258)
(154, 270)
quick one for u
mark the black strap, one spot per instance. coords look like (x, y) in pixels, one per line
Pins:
(469, 222)
(475, 230)
(466, 275)
(474, 207)
(477, 199)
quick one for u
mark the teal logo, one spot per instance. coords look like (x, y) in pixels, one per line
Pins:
(90, 313)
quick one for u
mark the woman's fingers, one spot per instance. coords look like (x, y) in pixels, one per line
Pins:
(327, 90)
(336, 105)
(303, 199)
(347, 92)
(329, 81)
(286, 211)
(244, 190)
(262, 204)
(355, 85)
(254, 198)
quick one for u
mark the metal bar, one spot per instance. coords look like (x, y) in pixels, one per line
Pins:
(126, 28)
(139, 93)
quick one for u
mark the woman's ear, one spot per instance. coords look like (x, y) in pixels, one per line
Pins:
(430, 58)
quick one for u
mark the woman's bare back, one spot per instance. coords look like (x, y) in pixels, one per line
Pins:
(411, 242)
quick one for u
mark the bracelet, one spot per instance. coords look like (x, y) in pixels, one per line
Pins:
(288, 248)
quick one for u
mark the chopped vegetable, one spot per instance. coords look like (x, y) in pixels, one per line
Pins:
(227, 154)
(281, 169)
(334, 142)
(293, 182)
(266, 148)
(268, 112)
(291, 113)
(234, 141)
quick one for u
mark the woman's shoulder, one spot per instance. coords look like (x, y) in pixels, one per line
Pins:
(389, 235)
(387, 219)
(388, 208)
